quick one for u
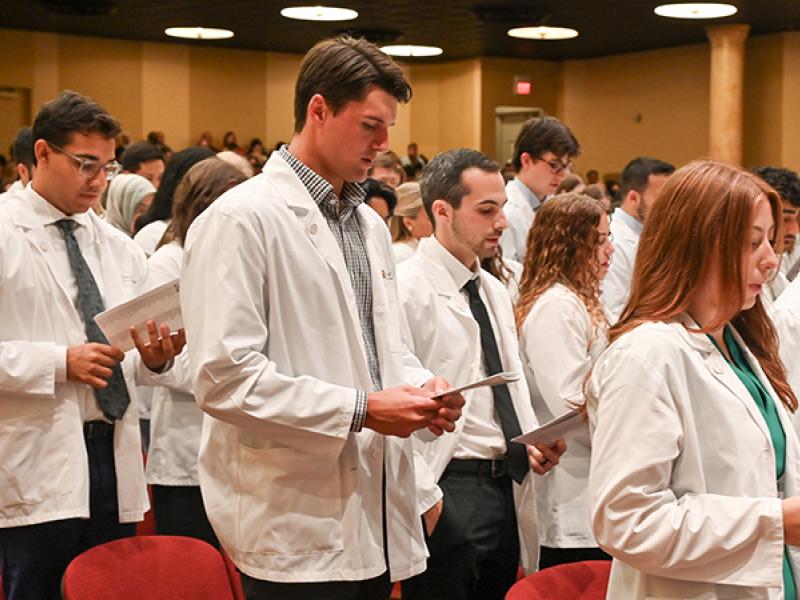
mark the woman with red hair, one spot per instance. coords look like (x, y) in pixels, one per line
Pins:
(693, 451)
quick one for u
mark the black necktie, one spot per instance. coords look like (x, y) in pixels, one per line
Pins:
(113, 399)
(516, 454)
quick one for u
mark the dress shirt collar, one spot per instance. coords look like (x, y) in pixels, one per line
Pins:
(318, 187)
(454, 267)
(43, 213)
(632, 223)
(526, 192)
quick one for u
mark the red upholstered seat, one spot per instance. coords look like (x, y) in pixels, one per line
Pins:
(152, 567)
(574, 581)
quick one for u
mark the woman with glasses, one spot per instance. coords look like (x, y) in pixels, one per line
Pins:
(695, 465)
(562, 331)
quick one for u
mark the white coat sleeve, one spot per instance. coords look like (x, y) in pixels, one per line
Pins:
(636, 516)
(555, 342)
(617, 282)
(31, 368)
(223, 300)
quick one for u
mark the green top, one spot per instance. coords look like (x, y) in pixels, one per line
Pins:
(768, 410)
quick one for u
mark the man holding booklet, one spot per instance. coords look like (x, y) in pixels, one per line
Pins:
(72, 474)
(475, 494)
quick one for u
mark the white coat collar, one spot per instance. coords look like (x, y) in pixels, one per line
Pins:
(447, 274)
(30, 210)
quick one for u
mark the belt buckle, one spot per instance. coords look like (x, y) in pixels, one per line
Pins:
(498, 468)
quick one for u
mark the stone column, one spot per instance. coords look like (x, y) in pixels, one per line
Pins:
(727, 75)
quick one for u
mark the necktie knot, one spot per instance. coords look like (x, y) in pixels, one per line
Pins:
(471, 287)
(66, 225)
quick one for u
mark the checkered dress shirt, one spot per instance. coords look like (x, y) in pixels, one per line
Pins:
(346, 229)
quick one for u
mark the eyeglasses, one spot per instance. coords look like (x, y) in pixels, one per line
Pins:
(556, 166)
(88, 167)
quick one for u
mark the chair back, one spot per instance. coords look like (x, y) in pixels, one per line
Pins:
(152, 567)
(587, 580)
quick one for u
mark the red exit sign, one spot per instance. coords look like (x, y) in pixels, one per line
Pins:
(522, 85)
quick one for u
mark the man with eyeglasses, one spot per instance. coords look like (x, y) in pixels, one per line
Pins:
(642, 180)
(72, 474)
(543, 155)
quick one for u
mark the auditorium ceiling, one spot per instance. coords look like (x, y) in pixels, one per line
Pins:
(463, 29)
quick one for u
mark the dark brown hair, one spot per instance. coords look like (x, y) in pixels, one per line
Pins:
(203, 183)
(341, 69)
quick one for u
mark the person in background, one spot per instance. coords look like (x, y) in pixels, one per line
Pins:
(409, 222)
(543, 154)
(152, 224)
(229, 143)
(380, 197)
(597, 192)
(642, 180)
(72, 475)
(693, 484)
(129, 196)
(206, 140)
(592, 177)
(386, 168)
(413, 159)
(475, 487)
(145, 159)
(787, 184)
(176, 420)
(571, 183)
(562, 331)
(22, 153)
(256, 155)
(238, 161)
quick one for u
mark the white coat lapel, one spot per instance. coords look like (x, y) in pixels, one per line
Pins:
(722, 372)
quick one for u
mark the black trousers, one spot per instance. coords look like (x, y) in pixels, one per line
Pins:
(550, 557)
(475, 546)
(34, 557)
(179, 510)
(378, 588)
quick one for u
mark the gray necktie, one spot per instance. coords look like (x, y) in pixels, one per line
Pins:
(113, 399)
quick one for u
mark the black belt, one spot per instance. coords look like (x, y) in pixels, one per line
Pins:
(93, 430)
(494, 469)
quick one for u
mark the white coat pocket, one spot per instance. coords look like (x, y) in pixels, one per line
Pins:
(291, 503)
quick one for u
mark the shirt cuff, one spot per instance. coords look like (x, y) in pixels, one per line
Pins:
(60, 356)
(167, 366)
(360, 414)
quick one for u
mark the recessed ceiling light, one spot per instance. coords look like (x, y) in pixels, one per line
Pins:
(696, 10)
(410, 50)
(199, 33)
(319, 13)
(543, 33)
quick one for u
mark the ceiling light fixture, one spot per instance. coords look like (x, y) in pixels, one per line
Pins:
(543, 33)
(696, 10)
(319, 13)
(199, 33)
(412, 51)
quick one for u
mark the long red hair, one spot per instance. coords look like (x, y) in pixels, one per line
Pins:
(705, 210)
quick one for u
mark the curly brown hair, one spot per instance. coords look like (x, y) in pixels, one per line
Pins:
(562, 248)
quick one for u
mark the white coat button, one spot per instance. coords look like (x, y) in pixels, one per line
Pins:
(717, 368)
(43, 246)
(313, 229)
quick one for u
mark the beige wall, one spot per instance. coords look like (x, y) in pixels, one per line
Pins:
(620, 106)
(649, 103)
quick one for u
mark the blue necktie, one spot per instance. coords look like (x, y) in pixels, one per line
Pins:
(516, 454)
(113, 399)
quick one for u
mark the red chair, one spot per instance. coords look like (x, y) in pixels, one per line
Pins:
(586, 580)
(156, 568)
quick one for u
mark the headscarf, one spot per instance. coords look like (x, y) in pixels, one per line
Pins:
(125, 193)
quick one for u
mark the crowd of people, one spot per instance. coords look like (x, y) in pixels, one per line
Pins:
(334, 295)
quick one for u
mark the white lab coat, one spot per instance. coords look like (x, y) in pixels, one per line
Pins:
(277, 355)
(519, 215)
(404, 250)
(45, 473)
(785, 313)
(559, 344)
(440, 330)
(682, 477)
(616, 285)
(175, 420)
